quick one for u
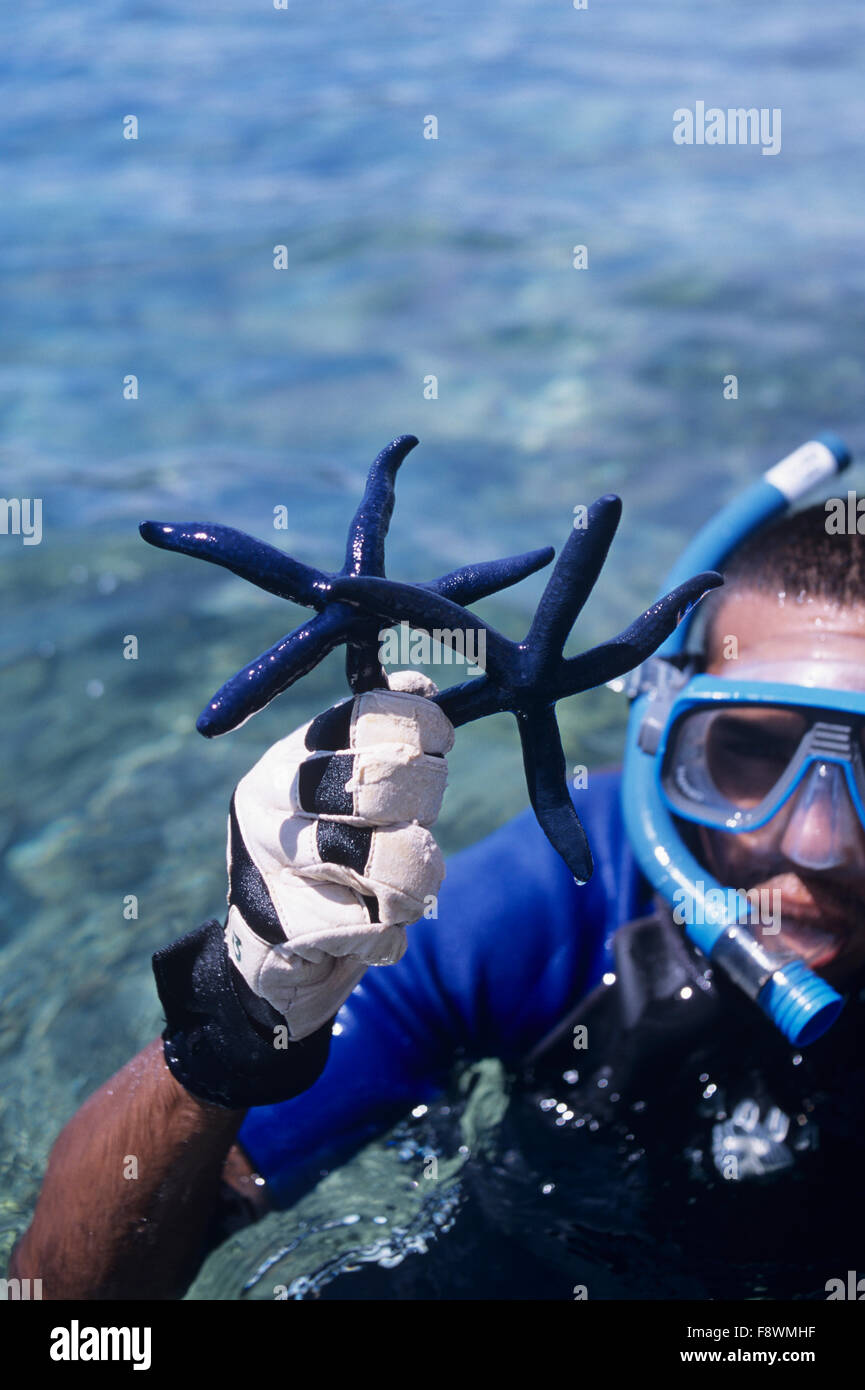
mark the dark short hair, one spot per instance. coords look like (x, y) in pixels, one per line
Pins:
(796, 555)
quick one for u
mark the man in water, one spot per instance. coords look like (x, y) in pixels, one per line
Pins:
(706, 1156)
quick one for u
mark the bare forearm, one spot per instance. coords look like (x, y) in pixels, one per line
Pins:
(130, 1188)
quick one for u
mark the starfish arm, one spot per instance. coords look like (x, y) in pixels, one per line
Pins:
(275, 670)
(637, 642)
(575, 574)
(473, 582)
(252, 559)
(474, 699)
(462, 586)
(544, 761)
(363, 669)
(407, 603)
(364, 552)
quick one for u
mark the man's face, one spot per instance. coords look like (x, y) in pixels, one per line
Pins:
(809, 642)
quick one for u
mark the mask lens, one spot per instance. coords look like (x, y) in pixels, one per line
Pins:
(727, 761)
(824, 829)
(749, 750)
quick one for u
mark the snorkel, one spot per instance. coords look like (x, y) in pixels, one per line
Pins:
(717, 920)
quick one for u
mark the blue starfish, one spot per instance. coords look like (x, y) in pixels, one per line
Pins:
(528, 677)
(335, 623)
(525, 677)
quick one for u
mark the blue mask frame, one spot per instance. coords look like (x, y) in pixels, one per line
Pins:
(706, 692)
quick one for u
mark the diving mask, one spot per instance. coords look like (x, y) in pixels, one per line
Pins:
(733, 756)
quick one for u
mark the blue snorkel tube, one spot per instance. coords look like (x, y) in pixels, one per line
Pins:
(799, 1003)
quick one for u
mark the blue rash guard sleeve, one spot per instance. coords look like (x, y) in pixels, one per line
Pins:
(515, 944)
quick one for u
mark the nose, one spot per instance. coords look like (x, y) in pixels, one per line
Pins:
(824, 830)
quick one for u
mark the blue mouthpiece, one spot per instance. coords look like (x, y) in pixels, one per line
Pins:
(800, 1003)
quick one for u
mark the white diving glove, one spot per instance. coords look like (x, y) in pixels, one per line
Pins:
(330, 853)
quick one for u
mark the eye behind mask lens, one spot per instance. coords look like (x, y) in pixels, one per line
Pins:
(748, 752)
(732, 759)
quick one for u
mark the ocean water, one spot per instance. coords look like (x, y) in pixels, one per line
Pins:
(259, 388)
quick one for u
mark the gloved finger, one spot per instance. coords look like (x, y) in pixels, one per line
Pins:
(281, 957)
(381, 717)
(400, 866)
(413, 682)
(392, 871)
(306, 993)
(371, 782)
(381, 786)
(337, 923)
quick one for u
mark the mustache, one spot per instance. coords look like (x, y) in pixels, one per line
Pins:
(817, 898)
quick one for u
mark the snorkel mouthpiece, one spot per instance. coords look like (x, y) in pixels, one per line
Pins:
(720, 921)
(797, 1001)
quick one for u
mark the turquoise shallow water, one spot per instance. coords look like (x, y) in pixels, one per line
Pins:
(259, 388)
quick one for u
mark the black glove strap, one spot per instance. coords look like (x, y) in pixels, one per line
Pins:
(220, 1038)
